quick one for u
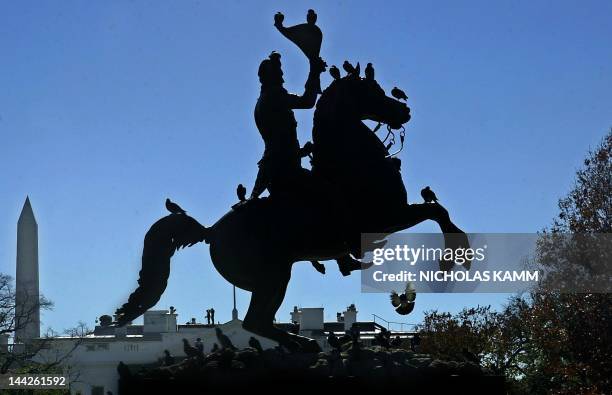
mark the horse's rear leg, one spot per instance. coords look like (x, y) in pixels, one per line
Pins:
(266, 299)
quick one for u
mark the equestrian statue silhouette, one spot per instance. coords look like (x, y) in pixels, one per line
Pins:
(355, 187)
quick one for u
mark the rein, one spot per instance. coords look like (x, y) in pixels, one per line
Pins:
(391, 139)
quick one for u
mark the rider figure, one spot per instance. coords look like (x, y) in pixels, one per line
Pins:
(280, 169)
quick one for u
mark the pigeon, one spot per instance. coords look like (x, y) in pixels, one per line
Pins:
(428, 195)
(404, 303)
(241, 192)
(174, 208)
(311, 17)
(348, 67)
(396, 342)
(398, 93)
(123, 370)
(168, 359)
(255, 344)
(278, 19)
(189, 350)
(334, 72)
(224, 340)
(382, 338)
(333, 341)
(369, 72)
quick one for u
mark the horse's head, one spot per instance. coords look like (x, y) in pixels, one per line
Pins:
(363, 98)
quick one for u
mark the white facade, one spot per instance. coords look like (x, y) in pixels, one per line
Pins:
(94, 362)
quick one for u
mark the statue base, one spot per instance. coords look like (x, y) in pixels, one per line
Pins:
(365, 368)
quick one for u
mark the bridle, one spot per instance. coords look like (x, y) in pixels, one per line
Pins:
(390, 139)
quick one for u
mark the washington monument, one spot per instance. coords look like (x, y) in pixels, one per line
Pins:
(27, 311)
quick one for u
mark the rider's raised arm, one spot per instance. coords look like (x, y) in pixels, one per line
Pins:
(312, 87)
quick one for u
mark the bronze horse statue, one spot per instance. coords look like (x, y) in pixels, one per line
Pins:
(255, 244)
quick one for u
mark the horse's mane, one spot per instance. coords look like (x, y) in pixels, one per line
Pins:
(329, 98)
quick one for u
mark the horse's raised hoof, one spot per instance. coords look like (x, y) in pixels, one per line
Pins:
(456, 241)
(318, 266)
(347, 264)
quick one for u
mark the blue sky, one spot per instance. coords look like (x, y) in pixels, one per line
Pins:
(107, 108)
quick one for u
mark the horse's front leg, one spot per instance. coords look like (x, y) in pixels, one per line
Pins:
(413, 214)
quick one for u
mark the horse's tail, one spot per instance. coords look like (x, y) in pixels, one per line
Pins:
(166, 236)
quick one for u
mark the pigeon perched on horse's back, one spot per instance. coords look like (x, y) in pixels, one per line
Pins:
(174, 208)
(349, 68)
(398, 93)
(428, 195)
(334, 72)
(241, 192)
(369, 72)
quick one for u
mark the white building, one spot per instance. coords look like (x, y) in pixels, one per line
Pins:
(93, 364)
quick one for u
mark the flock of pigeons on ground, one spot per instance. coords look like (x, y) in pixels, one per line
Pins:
(351, 337)
(224, 343)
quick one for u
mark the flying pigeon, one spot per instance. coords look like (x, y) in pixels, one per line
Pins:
(334, 72)
(428, 195)
(369, 72)
(224, 340)
(404, 303)
(189, 350)
(333, 341)
(241, 192)
(174, 208)
(398, 93)
(255, 344)
(348, 67)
